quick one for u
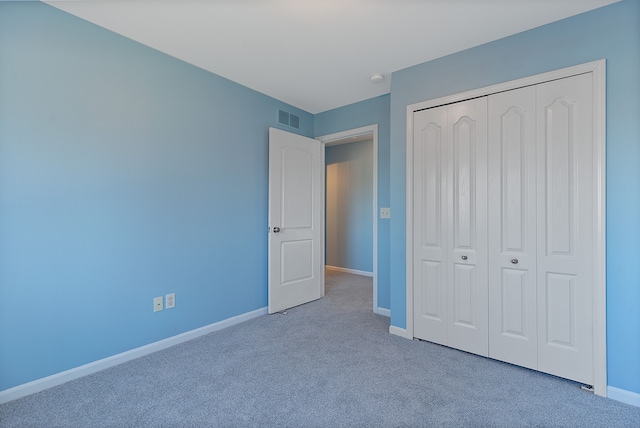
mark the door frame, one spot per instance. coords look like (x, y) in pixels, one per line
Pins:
(332, 139)
(598, 71)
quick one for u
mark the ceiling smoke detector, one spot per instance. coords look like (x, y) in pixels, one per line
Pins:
(376, 78)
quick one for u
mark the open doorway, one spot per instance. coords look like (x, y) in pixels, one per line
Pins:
(351, 203)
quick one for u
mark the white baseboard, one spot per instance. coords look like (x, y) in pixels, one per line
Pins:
(398, 331)
(623, 395)
(384, 311)
(347, 270)
(96, 366)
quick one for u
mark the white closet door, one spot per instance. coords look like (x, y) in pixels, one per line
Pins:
(450, 216)
(565, 228)
(512, 227)
(429, 244)
(467, 226)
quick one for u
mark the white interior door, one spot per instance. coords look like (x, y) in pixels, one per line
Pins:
(512, 226)
(565, 206)
(295, 220)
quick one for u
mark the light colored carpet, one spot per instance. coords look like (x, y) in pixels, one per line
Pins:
(329, 363)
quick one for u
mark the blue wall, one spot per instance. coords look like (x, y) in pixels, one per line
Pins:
(365, 113)
(349, 206)
(125, 174)
(613, 33)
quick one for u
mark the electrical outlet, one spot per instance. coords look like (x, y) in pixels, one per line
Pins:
(385, 212)
(170, 300)
(157, 304)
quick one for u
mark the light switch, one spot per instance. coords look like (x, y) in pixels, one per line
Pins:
(385, 212)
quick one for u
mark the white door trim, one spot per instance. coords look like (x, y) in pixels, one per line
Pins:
(332, 139)
(598, 70)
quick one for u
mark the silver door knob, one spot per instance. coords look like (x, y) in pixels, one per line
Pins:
(464, 257)
(514, 261)
(276, 229)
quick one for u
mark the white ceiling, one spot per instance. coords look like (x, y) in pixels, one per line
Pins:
(318, 54)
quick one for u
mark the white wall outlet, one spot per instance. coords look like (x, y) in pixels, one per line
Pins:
(157, 304)
(170, 300)
(385, 212)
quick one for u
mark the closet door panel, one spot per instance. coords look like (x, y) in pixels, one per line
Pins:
(467, 200)
(512, 227)
(430, 273)
(565, 228)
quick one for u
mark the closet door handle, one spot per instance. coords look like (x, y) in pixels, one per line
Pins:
(276, 229)
(514, 261)
(464, 257)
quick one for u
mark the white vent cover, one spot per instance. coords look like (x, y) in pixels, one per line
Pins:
(289, 120)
